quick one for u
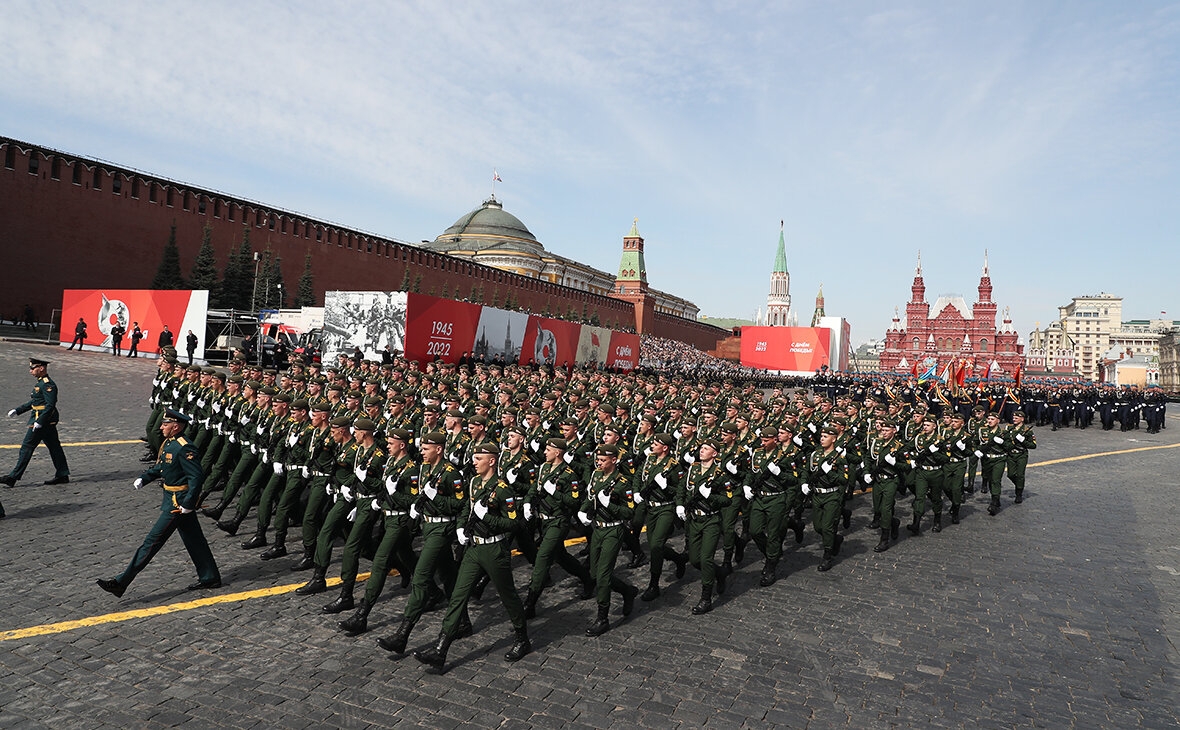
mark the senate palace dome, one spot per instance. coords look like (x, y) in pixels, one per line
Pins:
(488, 228)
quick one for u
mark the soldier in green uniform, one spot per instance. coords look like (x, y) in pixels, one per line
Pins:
(43, 416)
(707, 491)
(608, 507)
(976, 422)
(885, 461)
(489, 521)
(827, 477)
(929, 455)
(655, 486)
(735, 460)
(959, 448)
(178, 464)
(769, 480)
(1021, 438)
(553, 499)
(992, 446)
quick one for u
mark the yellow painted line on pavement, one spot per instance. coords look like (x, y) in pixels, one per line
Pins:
(1104, 453)
(81, 443)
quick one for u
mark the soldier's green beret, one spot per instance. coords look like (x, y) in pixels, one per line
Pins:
(606, 407)
(742, 417)
(282, 398)
(582, 403)
(513, 429)
(784, 426)
(432, 408)
(666, 439)
(322, 406)
(1019, 413)
(993, 414)
(569, 422)
(478, 420)
(341, 421)
(730, 427)
(978, 409)
(336, 387)
(235, 379)
(193, 369)
(769, 432)
(435, 438)
(299, 404)
(239, 357)
(455, 413)
(791, 411)
(373, 401)
(958, 416)
(253, 384)
(549, 396)
(219, 375)
(400, 434)
(364, 424)
(532, 411)
(929, 418)
(607, 450)
(557, 444)
(356, 394)
(711, 442)
(300, 378)
(208, 371)
(829, 428)
(886, 423)
(268, 390)
(650, 418)
(270, 371)
(614, 428)
(170, 359)
(488, 447)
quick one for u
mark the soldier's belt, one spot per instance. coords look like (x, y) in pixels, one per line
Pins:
(175, 487)
(654, 505)
(488, 540)
(604, 525)
(703, 513)
(819, 490)
(958, 461)
(931, 468)
(433, 520)
(544, 516)
(395, 512)
(765, 493)
(38, 408)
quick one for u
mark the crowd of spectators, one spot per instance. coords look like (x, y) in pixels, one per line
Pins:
(659, 354)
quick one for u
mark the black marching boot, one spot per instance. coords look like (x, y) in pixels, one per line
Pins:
(681, 561)
(344, 601)
(521, 647)
(317, 584)
(954, 514)
(894, 526)
(937, 524)
(727, 563)
(601, 623)
(826, 563)
(435, 658)
(739, 548)
(629, 594)
(876, 523)
(358, 622)
(230, 526)
(884, 544)
(306, 561)
(530, 604)
(396, 643)
(277, 550)
(1019, 496)
(259, 540)
(915, 527)
(994, 506)
(768, 576)
(704, 605)
(652, 592)
(215, 511)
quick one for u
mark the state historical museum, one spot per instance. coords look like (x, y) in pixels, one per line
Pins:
(950, 331)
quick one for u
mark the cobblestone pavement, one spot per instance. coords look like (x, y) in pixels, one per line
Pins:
(1058, 612)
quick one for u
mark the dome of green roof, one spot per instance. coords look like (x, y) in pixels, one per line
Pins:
(487, 227)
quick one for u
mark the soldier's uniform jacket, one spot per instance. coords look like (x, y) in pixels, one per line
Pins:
(735, 460)
(877, 467)
(927, 450)
(771, 471)
(42, 403)
(835, 476)
(960, 444)
(646, 484)
(367, 465)
(992, 442)
(714, 478)
(534, 443)
(399, 477)
(688, 449)
(517, 470)
(621, 506)
(567, 492)
(290, 443)
(179, 465)
(456, 448)
(342, 468)
(1020, 439)
(445, 478)
(501, 503)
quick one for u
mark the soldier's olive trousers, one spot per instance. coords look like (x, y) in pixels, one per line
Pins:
(552, 550)
(313, 514)
(436, 553)
(394, 549)
(884, 497)
(362, 530)
(211, 453)
(927, 482)
(276, 485)
(1017, 463)
(336, 520)
(729, 519)
(34, 436)
(952, 481)
(768, 524)
(605, 543)
(226, 462)
(825, 514)
(243, 472)
(260, 480)
(154, 437)
(661, 521)
(495, 560)
(291, 490)
(993, 473)
(701, 537)
(194, 542)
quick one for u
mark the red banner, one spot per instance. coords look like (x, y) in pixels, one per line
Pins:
(439, 328)
(624, 351)
(796, 349)
(101, 309)
(550, 342)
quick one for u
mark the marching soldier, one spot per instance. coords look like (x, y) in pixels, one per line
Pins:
(992, 448)
(1020, 438)
(608, 507)
(827, 477)
(43, 417)
(768, 482)
(656, 485)
(885, 460)
(707, 491)
(929, 456)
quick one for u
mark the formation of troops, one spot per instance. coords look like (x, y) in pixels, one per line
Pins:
(442, 474)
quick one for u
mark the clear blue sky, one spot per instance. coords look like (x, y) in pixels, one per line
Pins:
(1045, 132)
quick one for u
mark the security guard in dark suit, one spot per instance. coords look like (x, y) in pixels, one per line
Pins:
(179, 465)
(42, 409)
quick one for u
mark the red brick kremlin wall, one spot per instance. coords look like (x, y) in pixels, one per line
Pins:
(72, 223)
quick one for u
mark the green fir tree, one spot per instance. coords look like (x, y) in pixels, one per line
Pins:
(204, 274)
(168, 274)
(305, 296)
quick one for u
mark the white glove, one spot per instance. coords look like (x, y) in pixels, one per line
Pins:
(662, 481)
(12, 413)
(259, 430)
(826, 467)
(584, 519)
(811, 427)
(200, 402)
(731, 467)
(806, 488)
(774, 468)
(278, 468)
(568, 458)
(480, 510)
(306, 472)
(978, 453)
(36, 425)
(293, 439)
(797, 440)
(535, 444)
(1020, 437)
(137, 483)
(254, 449)
(360, 473)
(429, 492)
(677, 435)
(454, 459)
(933, 448)
(705, 491)
(638, 498)
(512, 476)
(328, 489)
(890, 459)
(680, 512)
(997, 439)
(690, 458)
(176, 392)
(266, 455)
(346, 492)
(244, 420)
(748, 492)
(413, 511)
(528, 511)
(462, 535)
(233, 439)
(868, 478)
(375, 505)
(352, 515)
(217, 408)
(551, 487)
(604, 498)
(185, 511)
(962, 446)
(546, 424)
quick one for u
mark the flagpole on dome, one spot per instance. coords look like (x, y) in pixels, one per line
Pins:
(495, 179)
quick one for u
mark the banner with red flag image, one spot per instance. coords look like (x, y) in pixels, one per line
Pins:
(550, 342)
(101, 309)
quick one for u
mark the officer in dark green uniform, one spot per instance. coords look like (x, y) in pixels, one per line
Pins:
(489, 520)
(42, 408)
(180, 467)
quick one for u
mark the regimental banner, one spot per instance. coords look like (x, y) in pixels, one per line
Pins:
(101, 309)
(791, 349)
(369, 320)
(440, 328)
